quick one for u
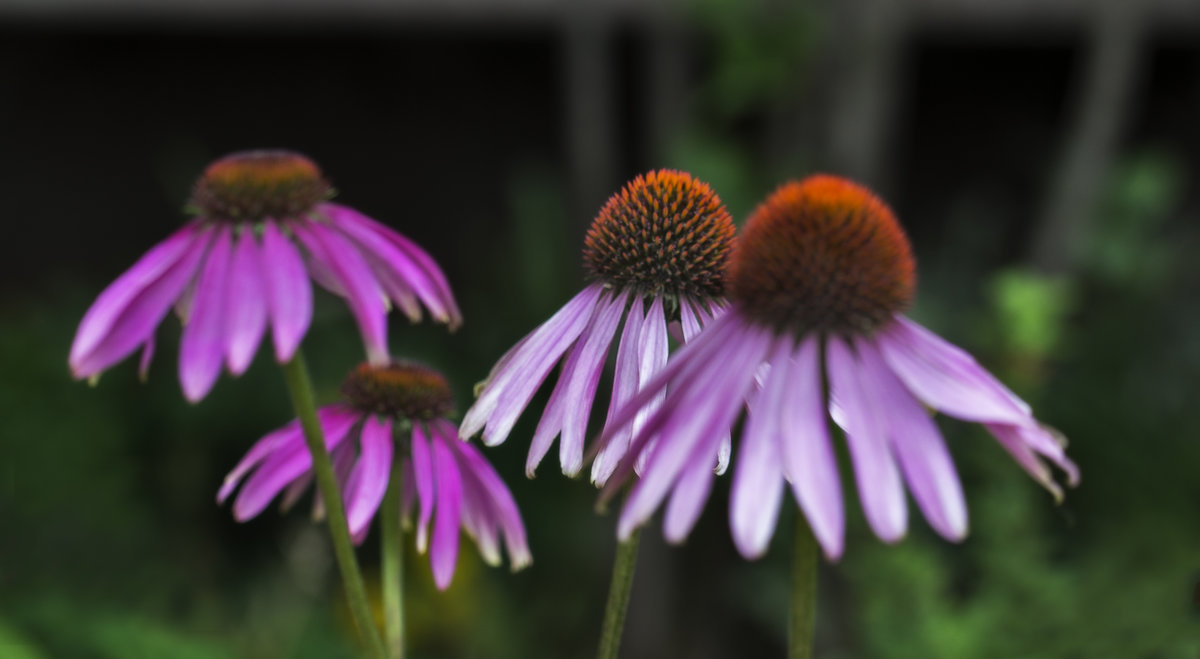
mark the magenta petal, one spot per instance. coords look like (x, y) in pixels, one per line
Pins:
(918, 446)
(125, 315)
(513, 384)
(113, 302)
(246, 303)
(373, 467)
(202, 347)
(285, 438)
(144, 360)
(757, 491)
(860, 414)
(289, 295)
(701, 415)
(625, 382)
(431, 285)
(808, 458)
(653, 349)
(362, 292)
(422, 462)
(288, 464)
(443, 549)
(945, 377)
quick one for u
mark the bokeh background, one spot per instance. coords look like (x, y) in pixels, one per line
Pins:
(1043, 155)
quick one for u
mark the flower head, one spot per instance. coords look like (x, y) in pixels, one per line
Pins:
(262, 226)
(657, 252)
(392, 411)
(818, 283)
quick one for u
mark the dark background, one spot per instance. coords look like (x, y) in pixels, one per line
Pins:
(1043, 160)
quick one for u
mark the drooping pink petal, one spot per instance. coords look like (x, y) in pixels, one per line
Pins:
(289, 295)
(584, 380)
(945, 377)
(246, 302)
(431, 285)
(757, 490)
(688, 320)
(443, 548)
(292, 493)
(202, 346)
(653, 349)
(510, 388)
(706, 408)
(625, 382)
(343, 457)
(362, 291)
(424, 479)
(918, 446)
(687, 499)
(126, 314)
(287, 436)
(503, 506)
(858, 412)
(288, 464)
(808, 458)
(144, 360)
(373, 468)
(1014, 440)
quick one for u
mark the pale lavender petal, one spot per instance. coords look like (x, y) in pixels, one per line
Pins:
(1015, 440)
(808, 458)
(947, 378)
(423, 476)
(112, 303)
(343, 457)
(625, 382)
(757, 490)
(687, 500)
(125, 315)
(439, 299)
(918, 446)
(289, 295)
(550, 425)
(688, 320)
(443, 548)
(584, 380)
(653, 351)
(879, 483)
(684, 367)
(288, 464)
(724, 449)
(706, 408)
(373, 468)
(511, 387)
(362, 292)
(1051, 445)
(292, 493)
(246, 302)
(202, 346)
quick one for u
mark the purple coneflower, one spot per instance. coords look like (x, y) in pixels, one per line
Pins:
(657, 251)
(817, 284)
(262, 226)
(396, 406)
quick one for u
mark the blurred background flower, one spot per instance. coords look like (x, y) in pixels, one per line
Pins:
(1039, 154)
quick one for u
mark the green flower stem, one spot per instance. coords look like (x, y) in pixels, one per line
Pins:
(803, 615)
(618, 597)
(393, 564)
(295, 373)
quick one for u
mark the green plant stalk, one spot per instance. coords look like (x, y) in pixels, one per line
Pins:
(295, 373)
(618, 597)
(803, 615)
(393, 564)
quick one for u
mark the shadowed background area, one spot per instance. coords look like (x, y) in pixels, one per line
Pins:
(1043, 158)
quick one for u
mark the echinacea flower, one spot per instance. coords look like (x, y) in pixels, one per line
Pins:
(395, 411)
(262, 227)
(818, 282)
(656, 251)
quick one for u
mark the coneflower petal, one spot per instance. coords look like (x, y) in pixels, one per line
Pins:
(625, 384)
(289, 295)
(202, 346)
(246, 313)
(443, 548)
(373, 469)
(423, 475)
(584, 380)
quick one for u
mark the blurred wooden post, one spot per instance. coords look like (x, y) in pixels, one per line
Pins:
(1100, 109)
(590, 99)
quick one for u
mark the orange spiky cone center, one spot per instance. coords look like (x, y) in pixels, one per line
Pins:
(400, 389)
(664, 233)
(823, 254)
(253, 185)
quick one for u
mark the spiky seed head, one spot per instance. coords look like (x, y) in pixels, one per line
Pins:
(253, 185)
(823, 255)
(665, 232)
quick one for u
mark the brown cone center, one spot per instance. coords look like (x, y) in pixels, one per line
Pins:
(253, 185)
(399, 389)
